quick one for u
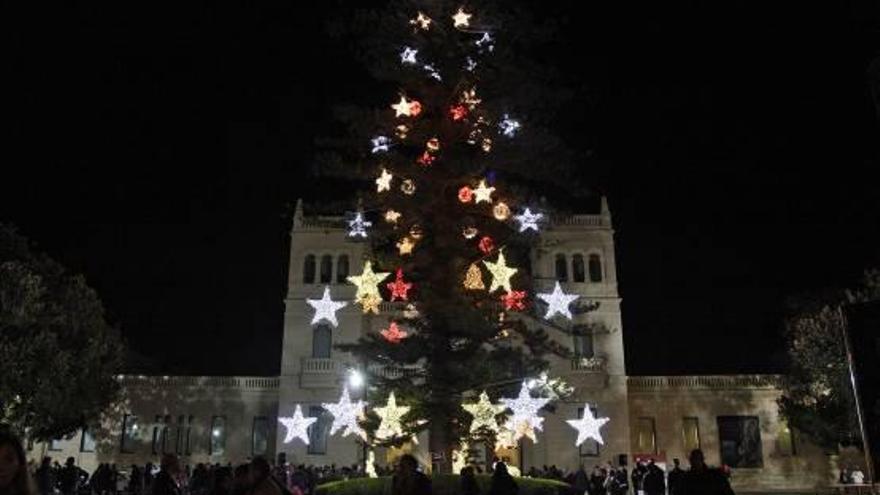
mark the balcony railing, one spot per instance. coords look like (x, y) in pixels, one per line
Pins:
(595, 364)
(321, 366)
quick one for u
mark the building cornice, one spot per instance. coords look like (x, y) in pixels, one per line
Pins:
(704, 382)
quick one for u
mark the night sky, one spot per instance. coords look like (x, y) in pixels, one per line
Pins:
(158, 152)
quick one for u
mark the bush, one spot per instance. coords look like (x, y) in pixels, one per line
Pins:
(442, 485)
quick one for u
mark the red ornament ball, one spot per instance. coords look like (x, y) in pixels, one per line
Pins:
(486, 245)
(466, 194)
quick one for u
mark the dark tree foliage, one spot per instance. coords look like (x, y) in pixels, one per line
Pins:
(58, 355)
(817, 394)
(462, 341)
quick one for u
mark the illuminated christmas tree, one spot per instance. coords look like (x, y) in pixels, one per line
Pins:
(458, 160)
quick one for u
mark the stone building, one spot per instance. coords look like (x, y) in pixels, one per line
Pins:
(734, 418)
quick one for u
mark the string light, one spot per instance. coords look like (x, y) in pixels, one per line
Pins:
(421, 21)
(461, 19)
(525, 419)
(405, 246)
(380, 143)
(433, 144)
(509, 127)
(401, 131)
(469, 98)
(367, 284)
(514, 300)
(432, 72)
(391, 417)
(458, 112)
(486, 41)
(392, 216)
(407, 108)
(484, 412)
(408, 55)
(528, 220)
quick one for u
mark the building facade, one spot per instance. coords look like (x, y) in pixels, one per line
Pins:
(733, 419)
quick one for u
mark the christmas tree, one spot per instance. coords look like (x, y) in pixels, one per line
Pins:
(457, 159)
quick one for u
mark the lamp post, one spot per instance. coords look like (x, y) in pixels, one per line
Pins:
(869, 461)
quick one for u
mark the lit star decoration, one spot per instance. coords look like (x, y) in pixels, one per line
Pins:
(469, 98)
(509, 127)
(486, 42)
(525, 419)
(470, 64)
(504, 439)
(458, 112)
(358, 227)
(461, 18)
(528, 220)
(368, 285)
(514, 300)
(392, 216)
(484, 413)
(501, 273)
(408, 55)
(390, 416)
(296, 426)
(326, 308)
(371, 303)
(473, 279)
(380, 143)
(383, 182)
(588, 426)
(407, 108)
(483, 193)
(399, 288)
(557, 302)
(421, 21)
(345, 415)
(405, 246)
(393, 333)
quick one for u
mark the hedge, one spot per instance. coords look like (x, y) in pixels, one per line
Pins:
(442, 485)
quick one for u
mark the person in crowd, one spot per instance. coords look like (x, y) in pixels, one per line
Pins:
(149, 477)
(241, 480)
(14, 477)
(408, 480)
(502, 481)
(45, 476)
(675, 477)
(580, 481)
(654, 480)
(71, 477)
(638, 477)
(469, 484)
(135, 480)
(700, 479)
(262, 482)
(166, 482)
(221, 484)
(597, 481)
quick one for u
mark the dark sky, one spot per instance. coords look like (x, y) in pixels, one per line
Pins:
(156, 150)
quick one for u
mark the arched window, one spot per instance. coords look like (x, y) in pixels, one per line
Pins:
(561, 268)
(595, 268)
(342, 269)
(322, 340)
(326, 269)
(309, 269)
(577, 268)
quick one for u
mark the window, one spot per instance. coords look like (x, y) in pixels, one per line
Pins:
(785, 440)
(129, 433)
(342, 269)
(318, 430)
(260, 438)
(56, 444)
(218, 435)
(309, 269)
(326, 269)
(158, 433)
(577, 268)
(646, 436)
(322, 339)
(690, 431)
(166, 435)
(740, 439)
(595, 268)
(86, 441)
(583, 342)
(182, 435)
(561, 268)
(590, 447)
